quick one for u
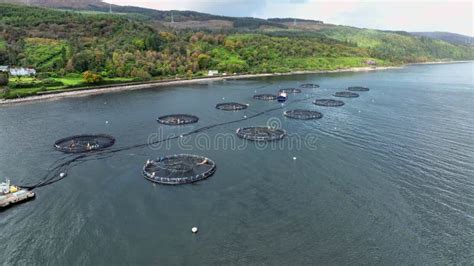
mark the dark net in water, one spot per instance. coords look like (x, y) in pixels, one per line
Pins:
(303, 114)
(290, 90)
(178, 119)
(84, 143)
(328, 102)
(346, 94)
(231, 106)
(358, 88)
(309, 86)
(265, 97)
(261, 133)
(179, 169)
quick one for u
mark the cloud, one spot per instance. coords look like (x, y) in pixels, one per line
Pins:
(238, 8)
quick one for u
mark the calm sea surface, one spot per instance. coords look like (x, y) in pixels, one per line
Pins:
(386, 179)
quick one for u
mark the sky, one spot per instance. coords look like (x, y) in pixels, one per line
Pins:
(422, 15)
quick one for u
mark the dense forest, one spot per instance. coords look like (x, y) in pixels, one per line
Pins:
(60, 42)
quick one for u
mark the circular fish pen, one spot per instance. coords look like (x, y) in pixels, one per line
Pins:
(261, 133)
(346, 94)
(309, 86)
(265, 97)
(84, 143)
(179, 169)
(178, 119)
(231, 106)
(290, 90)
(328, 103)
(358, 88)
(303, 114)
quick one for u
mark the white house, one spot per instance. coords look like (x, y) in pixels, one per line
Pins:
(212, 73)
(22, 71)
(3, 68)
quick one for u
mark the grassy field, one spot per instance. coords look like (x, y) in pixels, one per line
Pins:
(28, 86)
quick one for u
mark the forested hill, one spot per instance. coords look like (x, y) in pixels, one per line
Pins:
(130, 45)
(447, 37)
(182, 19)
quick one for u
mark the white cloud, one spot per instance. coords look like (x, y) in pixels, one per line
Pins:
(421, 15)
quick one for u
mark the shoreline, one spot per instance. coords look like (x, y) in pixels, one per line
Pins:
(173, 82)
(441, 62)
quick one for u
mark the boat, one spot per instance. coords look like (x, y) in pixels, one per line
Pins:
(282, 97)
(10, 194)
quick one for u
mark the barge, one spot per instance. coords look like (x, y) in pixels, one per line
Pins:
(10, 195)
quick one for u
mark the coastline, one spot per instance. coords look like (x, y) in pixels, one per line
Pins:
(441, 62)
(173, 82)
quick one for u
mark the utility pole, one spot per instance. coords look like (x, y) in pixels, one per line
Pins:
(110, 8)
(172, 18)
(294, 22)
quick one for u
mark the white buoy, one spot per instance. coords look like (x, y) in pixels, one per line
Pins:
(181, 136)
(62, 175)
(223, 98)
(245, 116)
(194, 230)
(294, 158)
(106, 122)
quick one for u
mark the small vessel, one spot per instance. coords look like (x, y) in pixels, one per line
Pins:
(12, 194)
(282, 97)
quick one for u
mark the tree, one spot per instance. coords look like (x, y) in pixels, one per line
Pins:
(189, 74)
(83, 60)
(140, 73)
(63, 56)
(4, 79)
(4, 82)
(203, 60)
(91, 77)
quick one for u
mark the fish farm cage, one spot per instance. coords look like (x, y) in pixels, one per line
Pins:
(303, 114)
(346, 94)
(358, 88)
(290, 90)
(84, 143)
(328, 103)
(178, 119)
(231, 106)
(261, 133)
(309, 86)
(265, 97)
(179, 169)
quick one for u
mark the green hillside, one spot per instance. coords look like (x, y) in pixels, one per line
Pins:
(449, 37)
(128, 45)
(400, 46)
(45, 54)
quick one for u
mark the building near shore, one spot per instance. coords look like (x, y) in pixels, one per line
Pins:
(3, 68)
(212, 73)
(22, 71)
